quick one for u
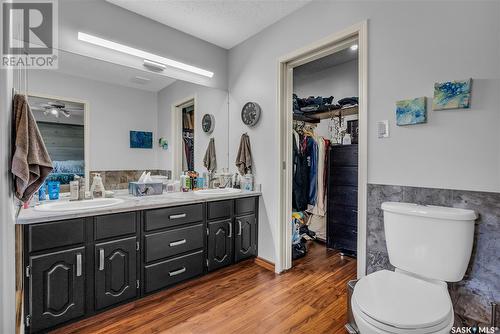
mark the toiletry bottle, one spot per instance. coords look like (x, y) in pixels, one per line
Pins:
(183, 182)
(42, 192)
(74, 189)
(97, 189)
(81, 188)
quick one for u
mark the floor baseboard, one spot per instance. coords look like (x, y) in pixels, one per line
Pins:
(264, 263)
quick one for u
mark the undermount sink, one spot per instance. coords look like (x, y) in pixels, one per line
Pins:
(218, 191)
(78, 205)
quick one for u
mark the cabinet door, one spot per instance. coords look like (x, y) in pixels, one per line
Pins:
(220, 244)
(57, 288)
(116, 272)
(245, 243)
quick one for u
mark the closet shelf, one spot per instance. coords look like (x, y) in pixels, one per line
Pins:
(316, 117)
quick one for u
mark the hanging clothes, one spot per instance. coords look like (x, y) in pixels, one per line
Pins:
(319, 207)
(300, 194)
(189, 152)
(312, 159)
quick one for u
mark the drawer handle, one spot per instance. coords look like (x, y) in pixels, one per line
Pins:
(78, 264)
(239, 227)
(176, 272)
(355, 211)
(182, 215)
(230, 230)
(101, 259)
(177, 243)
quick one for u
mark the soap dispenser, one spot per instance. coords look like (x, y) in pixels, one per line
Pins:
(97, 189)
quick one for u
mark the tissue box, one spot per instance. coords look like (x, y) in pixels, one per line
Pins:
(145, 189)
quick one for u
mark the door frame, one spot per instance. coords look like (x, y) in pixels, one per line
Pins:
(176, 141)
(319, 49)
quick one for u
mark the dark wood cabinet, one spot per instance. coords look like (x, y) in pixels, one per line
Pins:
(173, 270)
(57, 287)
(220, 244)
(115, 272)
(342, 199)
(79, 267)
(245, 242)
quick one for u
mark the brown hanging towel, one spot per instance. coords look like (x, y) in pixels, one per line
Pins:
(31, 163)
(244, 160)
(210, 159)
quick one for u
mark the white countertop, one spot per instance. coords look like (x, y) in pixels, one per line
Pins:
(130, 203)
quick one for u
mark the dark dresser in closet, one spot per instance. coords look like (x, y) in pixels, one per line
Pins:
(342, 199)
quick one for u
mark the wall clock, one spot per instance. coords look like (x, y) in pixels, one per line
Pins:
(208, 123)
(250, 113)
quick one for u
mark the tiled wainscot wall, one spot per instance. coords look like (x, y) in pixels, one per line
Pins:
(481, 285)
(119, 179)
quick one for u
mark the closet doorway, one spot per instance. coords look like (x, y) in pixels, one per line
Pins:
(323, 149)
(183, 135)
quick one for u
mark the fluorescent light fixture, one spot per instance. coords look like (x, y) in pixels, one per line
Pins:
(142, 54)
(354, 47)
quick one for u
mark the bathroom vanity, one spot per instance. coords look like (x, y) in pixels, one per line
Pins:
(79, 264)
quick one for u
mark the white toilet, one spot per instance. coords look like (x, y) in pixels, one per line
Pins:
(429, 246)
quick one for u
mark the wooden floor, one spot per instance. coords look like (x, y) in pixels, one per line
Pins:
(244, 298)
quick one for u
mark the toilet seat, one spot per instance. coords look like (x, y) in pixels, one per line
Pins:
(395, 302)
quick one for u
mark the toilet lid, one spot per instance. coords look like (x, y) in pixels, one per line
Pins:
(402, 301)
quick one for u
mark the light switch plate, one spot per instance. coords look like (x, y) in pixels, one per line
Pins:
(383, 129)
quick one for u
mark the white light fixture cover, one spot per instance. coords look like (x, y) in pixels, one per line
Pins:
(141, 54)
(152, 65)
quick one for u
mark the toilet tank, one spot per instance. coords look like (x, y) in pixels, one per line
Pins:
(430, 241)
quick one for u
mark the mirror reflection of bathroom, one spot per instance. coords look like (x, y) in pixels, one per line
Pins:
(62, 125)
(115, 119)
(188, 136)
(325, 132)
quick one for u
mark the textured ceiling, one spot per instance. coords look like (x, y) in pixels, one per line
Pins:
(225, 23)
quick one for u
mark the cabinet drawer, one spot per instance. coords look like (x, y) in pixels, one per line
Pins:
(114, 225)
(347, 215)
(161, 218)
(56, 234)
(219, 210)
(344, 195)
(245, 205)
(344, 155)
(169, 243)
(344, 176)
(165, 273)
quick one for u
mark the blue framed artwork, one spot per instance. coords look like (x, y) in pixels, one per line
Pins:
(141, 139)
(452, 95)
(413, 111)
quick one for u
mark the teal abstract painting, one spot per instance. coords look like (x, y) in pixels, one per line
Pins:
(452, 95)
(141, 139)
(413, 111)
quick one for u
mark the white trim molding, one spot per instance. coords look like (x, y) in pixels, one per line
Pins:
(319, 49)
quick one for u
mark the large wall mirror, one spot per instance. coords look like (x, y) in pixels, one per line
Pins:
(90, 113)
